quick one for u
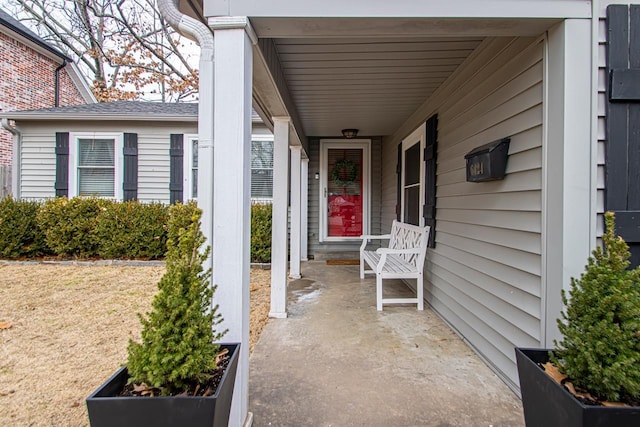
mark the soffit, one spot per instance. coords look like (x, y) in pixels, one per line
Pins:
(372, 84)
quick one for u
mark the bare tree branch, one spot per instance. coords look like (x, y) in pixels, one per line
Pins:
(123, 46)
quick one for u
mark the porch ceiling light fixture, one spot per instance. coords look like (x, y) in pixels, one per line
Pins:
(349, 133)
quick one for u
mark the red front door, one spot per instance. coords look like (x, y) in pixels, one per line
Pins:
(344, 192)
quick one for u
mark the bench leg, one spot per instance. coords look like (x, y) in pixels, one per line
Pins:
(420, 291)
(379, 292)
(361, 266)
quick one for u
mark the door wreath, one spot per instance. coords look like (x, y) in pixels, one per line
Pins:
(344, 173)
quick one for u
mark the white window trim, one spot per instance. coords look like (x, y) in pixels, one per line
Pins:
(325, 145)
(187, 164)
(118, 160)
(420, 134)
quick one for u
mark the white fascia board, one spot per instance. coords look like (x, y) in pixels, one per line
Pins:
(401, 8)
(81, 83)
(98, 117)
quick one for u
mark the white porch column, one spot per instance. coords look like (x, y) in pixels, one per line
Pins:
(304, 180)
(233, 38)
(279, 221)
(567, 204)
(294, 257)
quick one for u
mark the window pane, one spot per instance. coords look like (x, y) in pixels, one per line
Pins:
(96, 167)
(96, 182)
(194, 153)
(262, 154)
(194, 183)
(262, 183)
(412, 205)
(412, 165)
(96, 152)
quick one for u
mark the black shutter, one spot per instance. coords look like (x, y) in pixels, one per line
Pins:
(430, 155)
(399, 186)
(622, 176)
(176, 173)
(62, 164)
(130, 152)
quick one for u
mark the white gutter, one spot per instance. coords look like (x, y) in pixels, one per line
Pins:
(193, 28)
(15, 167)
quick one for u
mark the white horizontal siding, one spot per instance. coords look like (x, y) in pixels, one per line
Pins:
(38, 161)
(484, 275)
(38, 169)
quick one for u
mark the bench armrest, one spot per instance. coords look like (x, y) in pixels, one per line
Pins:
(365, 239)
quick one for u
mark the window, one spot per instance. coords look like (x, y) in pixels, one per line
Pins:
(412, 192)
(95, 165)
(262, 167)
(190, 166)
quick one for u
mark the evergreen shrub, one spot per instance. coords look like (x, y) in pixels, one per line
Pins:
(69, 225)
(261, 233)
(600, 348)
(132, 230)
(178, 334)
(20, 236)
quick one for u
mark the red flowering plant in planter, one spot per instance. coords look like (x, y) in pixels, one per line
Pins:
(600, 348)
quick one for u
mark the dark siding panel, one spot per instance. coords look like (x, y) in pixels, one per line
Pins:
(62, 164)
(430, 157)
(176, 172)
(622, 176)
(130, 152)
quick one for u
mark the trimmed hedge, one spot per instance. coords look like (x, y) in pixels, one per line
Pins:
(91, 227)
(20, 235)
(70, 225)
(261, 233)
(132, 230)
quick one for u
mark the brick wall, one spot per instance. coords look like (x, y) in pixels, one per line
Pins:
(27, 81)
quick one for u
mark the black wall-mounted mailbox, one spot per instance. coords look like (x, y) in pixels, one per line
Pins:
(488, 162)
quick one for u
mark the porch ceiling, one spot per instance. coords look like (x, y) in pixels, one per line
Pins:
(372, 84)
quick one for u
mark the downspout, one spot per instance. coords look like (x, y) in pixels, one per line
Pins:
(56, 102)
(16, 163)
(203, 34)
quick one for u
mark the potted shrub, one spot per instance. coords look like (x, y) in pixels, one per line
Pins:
(598, 358)
(176, 375)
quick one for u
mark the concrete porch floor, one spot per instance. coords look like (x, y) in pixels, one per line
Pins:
(336, 361)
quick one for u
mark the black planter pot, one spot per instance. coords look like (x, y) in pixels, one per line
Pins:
(547, 403)
(106, 409)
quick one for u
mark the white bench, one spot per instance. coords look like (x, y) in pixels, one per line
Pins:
(403, 259)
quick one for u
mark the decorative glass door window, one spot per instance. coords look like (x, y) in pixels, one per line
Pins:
(96, 167)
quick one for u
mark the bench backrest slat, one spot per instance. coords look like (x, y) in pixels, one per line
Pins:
(407, 236)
